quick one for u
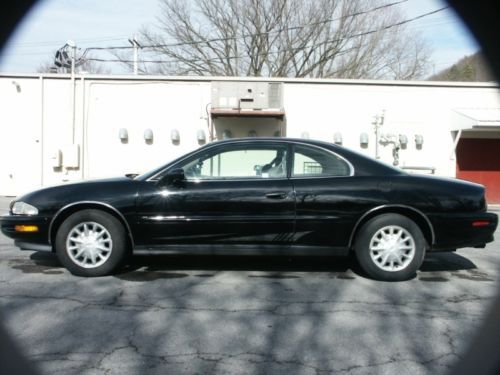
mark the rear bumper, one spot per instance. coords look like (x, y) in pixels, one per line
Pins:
(463, 230)
(40, 237)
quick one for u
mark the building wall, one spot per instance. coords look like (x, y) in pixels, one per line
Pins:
(323, 110)
(36, 122)
(477, 160)
(162, 107)
(20, 135)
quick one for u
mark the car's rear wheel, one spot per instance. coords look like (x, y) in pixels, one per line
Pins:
(91, 243)
(390, 247)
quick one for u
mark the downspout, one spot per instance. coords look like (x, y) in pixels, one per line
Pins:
(42, 104)
(209, 123)
(82, 148)
(73, 88)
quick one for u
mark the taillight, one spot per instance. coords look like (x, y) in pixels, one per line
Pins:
(480, 223)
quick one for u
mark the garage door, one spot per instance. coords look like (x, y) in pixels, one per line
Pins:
(478, 160)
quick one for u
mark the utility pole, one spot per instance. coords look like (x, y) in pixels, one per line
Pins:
(136, 46)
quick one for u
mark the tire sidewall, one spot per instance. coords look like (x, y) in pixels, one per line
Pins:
(365, 235)
(112, 225)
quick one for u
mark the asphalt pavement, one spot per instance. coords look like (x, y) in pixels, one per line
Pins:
(244, 315)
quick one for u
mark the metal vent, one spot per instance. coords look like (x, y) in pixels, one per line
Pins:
(247, 95)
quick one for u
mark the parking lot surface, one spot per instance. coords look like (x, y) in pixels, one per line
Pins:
(244, 315)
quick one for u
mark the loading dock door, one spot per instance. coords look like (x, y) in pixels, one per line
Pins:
(478, 160)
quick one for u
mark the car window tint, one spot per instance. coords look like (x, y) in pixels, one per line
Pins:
(239, 163)
(315, 162)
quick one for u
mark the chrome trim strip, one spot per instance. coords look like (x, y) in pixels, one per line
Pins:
(317, 217)
(225, 218)
(165, 218)
(231, 179)
(283, 141)
(433, 237)
(91, 202)
(317, 177)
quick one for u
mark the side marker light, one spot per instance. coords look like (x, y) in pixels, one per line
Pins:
(26, 228)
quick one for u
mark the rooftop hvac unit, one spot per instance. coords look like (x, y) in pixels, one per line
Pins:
(247, 95)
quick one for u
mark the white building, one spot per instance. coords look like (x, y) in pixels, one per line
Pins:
(54, 130)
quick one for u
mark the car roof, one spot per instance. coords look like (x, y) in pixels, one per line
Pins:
(363, 165)
(275, 139)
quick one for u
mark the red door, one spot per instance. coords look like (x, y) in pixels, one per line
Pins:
(478, 160)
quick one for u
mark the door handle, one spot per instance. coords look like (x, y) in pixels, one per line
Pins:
(278, 195)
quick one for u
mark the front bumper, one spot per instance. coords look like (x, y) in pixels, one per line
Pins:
(40, 237)
(453, 231)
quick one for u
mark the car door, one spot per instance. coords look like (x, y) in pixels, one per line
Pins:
(235, 193)
(325, 193)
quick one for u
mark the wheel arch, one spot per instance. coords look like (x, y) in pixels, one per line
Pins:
(412, 213)
(71, 208)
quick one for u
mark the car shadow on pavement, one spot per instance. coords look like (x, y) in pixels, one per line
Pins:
(141, 268)
(39, 263)
(448, 261)
(441, 267)
(436, 267)
(272, 267)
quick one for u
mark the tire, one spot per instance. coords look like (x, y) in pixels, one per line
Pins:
(91, 243)
(390, 247)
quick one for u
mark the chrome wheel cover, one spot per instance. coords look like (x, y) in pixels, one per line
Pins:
(89, 244)
(392, 248)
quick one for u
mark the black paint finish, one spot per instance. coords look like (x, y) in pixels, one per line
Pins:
(316, 211)
(216, 212)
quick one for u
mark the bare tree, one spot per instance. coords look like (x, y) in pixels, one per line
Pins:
(284, 38)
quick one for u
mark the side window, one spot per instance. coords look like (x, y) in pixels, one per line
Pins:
(308, 161)
(241, 162)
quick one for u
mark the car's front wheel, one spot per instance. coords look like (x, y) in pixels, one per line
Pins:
(390, 247)
(91, 243)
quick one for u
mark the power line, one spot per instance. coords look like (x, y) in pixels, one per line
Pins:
(48, 49)
(212, 59)
(248, 35)
(387, 27)
(433, 23)
(256, 34)
(59, 42)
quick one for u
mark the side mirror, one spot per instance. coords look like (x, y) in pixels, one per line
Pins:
(173, 178)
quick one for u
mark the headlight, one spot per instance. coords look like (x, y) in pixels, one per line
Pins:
(21, 208)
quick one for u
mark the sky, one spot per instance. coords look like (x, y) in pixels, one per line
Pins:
(100, 23)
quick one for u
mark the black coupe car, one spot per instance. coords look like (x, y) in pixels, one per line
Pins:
(258, 195)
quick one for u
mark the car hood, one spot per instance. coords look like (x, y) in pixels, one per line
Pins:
(107, 191)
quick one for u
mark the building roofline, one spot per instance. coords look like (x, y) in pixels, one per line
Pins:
(319, 81)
